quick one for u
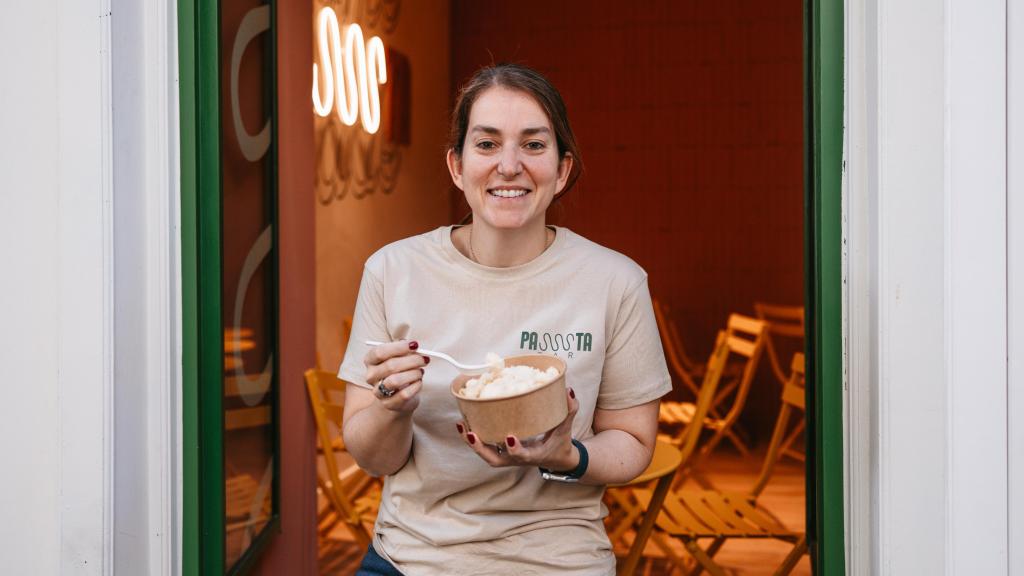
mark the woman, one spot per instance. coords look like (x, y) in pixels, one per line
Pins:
(505, 283)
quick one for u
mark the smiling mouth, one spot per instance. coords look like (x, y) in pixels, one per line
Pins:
(508, 193)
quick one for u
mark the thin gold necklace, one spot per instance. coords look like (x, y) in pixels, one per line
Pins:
(472, 254)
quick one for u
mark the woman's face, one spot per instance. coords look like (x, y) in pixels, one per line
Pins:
(509, 170)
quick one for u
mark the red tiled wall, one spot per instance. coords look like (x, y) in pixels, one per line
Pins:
(689, 116)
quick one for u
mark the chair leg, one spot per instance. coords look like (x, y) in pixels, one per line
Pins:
(711, 550)
(793, 557)
(724, 392)
(719, 398)
(643, 532)
(715, 547)
(326, 522)
(678, 562)
(704, 562)
(787, 444)
(735, 441)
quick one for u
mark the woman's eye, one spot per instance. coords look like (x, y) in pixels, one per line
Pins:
(486, 145)
(535, 145)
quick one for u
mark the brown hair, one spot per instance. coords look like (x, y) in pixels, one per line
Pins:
(524, 79)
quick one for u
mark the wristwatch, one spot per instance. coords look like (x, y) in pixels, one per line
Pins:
(573, 475)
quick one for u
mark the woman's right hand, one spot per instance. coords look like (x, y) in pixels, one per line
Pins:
(396, 371)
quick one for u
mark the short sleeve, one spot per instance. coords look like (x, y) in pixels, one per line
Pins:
(634, 368)
(369, 322)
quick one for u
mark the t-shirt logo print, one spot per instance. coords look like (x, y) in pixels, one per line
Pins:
(569, 342)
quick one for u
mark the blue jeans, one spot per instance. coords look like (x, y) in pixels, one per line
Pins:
(374, 565)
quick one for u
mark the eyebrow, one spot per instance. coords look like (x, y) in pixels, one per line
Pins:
(525, 132)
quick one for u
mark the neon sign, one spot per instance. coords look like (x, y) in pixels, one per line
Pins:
(351, 75)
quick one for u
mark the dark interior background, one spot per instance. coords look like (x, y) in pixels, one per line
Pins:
(689, 117)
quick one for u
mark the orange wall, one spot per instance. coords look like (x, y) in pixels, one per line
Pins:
(689, 115)
(351, 227)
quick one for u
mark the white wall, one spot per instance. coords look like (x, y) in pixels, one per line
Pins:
(860, 228)
(146, 471)
(926, 194)
(976, 369)
(88, 312)
(1015, 259)
(55, 299)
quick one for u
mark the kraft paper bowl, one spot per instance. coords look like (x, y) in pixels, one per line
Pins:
(521, 415)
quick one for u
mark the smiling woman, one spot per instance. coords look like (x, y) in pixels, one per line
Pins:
(511, 152)
(493, 286)
(510, 172)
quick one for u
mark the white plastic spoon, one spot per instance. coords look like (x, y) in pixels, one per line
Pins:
(464, 368)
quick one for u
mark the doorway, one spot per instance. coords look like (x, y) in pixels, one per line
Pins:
(816, 65)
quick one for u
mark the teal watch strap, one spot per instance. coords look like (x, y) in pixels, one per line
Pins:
(572, 475)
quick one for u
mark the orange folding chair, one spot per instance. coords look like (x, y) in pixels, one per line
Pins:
(627, 517)
(743, 339)
(694, 515)
(674, 413)
(352, 496)
(785, 334)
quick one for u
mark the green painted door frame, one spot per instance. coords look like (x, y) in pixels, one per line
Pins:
(200, 137)
(200, 229)
(202, 328)
(823, 172)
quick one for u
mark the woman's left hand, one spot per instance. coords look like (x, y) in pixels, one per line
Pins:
(554, 452)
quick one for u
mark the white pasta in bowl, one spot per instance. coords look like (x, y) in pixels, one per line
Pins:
(503, 381)
(521, 396)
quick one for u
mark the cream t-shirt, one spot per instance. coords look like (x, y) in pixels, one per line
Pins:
(447, 511)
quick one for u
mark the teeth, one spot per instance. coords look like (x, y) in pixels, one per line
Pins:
(508, 193)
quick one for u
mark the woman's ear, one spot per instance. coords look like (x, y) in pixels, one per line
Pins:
(454, 167)
(564, 169)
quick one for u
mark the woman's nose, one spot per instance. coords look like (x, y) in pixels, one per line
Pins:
(509, 165)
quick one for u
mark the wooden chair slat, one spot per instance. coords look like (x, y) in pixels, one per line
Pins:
(665, 414)
(717, 502)
(794, 395)
(678, 412)
(674, 518)
(695, 502)
(738, 322)
(768, 525)
(741, 346)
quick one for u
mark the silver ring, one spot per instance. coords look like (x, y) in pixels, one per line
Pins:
(499, 449)
(384, 391)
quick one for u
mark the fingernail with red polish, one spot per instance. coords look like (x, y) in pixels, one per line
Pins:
(426, 359)
(414, 345)
(510, 441)
(572, 393)
(472, 438)
(459, 427)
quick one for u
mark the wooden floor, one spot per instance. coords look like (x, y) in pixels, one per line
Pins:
(784, 496)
